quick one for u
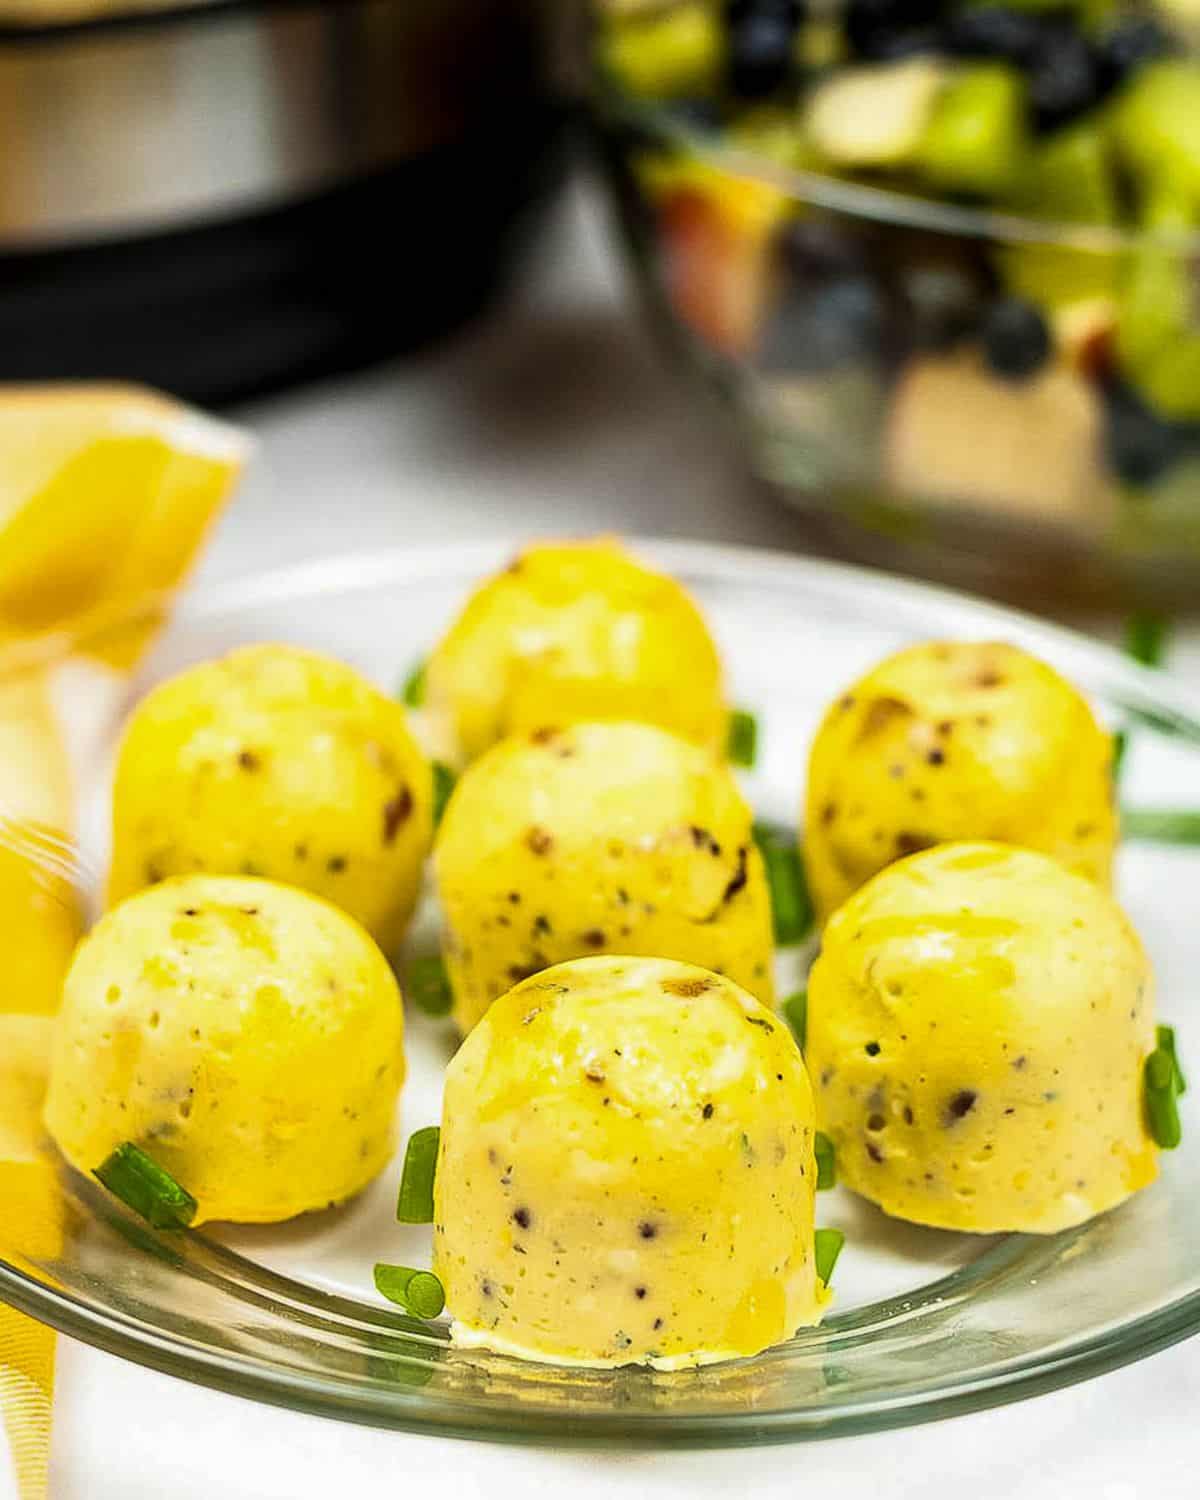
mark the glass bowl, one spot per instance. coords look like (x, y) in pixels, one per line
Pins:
(925, 1324)
(840, 322)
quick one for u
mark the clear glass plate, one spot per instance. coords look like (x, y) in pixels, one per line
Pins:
(925, 1323)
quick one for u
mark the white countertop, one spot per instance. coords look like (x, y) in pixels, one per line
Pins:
(556, 415)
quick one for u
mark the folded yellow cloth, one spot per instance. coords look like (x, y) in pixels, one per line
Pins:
(106, 493)
(26, 1391)
(28, 1191)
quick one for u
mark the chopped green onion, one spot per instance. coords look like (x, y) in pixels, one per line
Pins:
(795, 1011)
(417, 1292)
(413, 688)
(147, 1188)
(827, 1246)
(791, 908)
(1161, 1091)
(1166, 1040)
(1161, 825)
(741, 741)
(826, 1161)
(443, 784)
(1120, 748)
(1146, 638)
(429, 987)
(415, 1203)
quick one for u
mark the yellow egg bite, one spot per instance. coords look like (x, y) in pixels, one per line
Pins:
(626, 1171)
(956, 740)
(574, 631)
(281, 763)
(246, 1035)
(602, 837)
(978, 1021)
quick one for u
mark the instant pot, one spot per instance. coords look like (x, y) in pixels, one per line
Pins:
(221, 198)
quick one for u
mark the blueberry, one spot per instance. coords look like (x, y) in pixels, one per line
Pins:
(1140, 445)
(995, 31)
(760, 53)
(1065, 77)
(1129, 44)
(873, 26)
(1016, 341)
(847, 321)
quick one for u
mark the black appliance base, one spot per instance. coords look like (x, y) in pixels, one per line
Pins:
(223, 311)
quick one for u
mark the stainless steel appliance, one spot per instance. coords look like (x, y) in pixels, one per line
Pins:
(222, 197)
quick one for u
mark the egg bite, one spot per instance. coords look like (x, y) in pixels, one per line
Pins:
(572, 631)
(626, 1171)
(280, 763)
(978, 1022)
(608, 837)
(956, 740)
(246, 1035)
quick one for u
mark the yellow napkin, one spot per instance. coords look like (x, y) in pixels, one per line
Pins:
(106, 493)
(28, 1191)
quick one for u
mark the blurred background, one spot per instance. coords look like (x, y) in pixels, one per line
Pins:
(908, 281)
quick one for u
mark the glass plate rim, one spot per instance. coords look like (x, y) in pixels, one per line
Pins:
(1132, 686)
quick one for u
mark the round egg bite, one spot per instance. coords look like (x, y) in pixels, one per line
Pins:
(281, 763)
(246, 1035)
(626, 1171)
(956, 740)
(601, 837)
(574, 631)
(978, 1021)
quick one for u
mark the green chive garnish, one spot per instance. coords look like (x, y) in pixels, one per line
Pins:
(429, 987)
(741, 740)
(826, 1162)
(415, 1203)
(443, 784)
(1146, 639)
(791, 908)
(795, 1010)
(1161, 1091)
(827, 1246)
(413, 689)
(1161, 825)
(417, 1292)
(1166, 1040)
(1120, 747)
(147, 1188)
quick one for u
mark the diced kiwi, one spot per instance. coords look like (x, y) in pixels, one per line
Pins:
(1067, 178)
(773, 134)
(1170, 382)
(1158, 339)
(975, 139)
(1156, 128)
(1165, 207)
(876, 115)
(673, 54)
(1055, 276)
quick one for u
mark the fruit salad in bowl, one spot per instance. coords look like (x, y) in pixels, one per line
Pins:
(939, 256)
